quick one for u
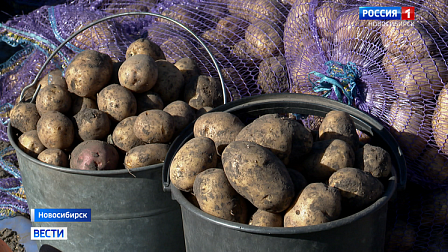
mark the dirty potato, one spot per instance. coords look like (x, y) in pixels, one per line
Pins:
(195, 156)
(29, 142)
(138, 73)
(145, 46)
(24, 116)
(144, 155)
(258, 175)
(55, 157)
(217, 197)
(117, 101)
(154, 126)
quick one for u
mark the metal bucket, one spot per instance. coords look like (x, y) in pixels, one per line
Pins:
(363, 231)
(127, 213)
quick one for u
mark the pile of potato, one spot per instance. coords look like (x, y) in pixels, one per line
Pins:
(246, 36)
(275, 172)
(101, 114)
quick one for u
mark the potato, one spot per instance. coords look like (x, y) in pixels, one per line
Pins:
(272, 132)
(184, 14)
(266, 219)
(358, 35)
(147, 101)
(94, 155)
(273, 76)
(327, 157)
(339, 125)
(264, 39)
(202, 111)
(407, 122)
(203, 91)
(29, 142)
(195, 156)
(145, 46)
(318, 203)
(217, 197)
(117, 101)
(123, 135)
(182, 114)
(435, 207)
(170, 83)
(54, 77)
(188, 68)
(374, 160)
(412, 43)
(144, 155)
(211, 13)
(440, 8)
(24, 116)
(419, 80)
(176, 48)
(234, 82)
(359, 189)
(435, 166)
(154, 126)
(138, 73)
(55, 130)
(92, 124)
(55, 157)
(242, 51)
(88, 73)
(53, 98)
(401, 237)
(80, 103)
(221, 127)
(213, 37)
(256, 10)
(325, 16)
(231, 28)
(258, 175)
(439, 121)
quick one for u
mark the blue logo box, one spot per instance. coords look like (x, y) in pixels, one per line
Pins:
(60, 215)
(379, 13)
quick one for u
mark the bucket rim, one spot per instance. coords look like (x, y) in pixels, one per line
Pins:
(12, 140)
(376, 206)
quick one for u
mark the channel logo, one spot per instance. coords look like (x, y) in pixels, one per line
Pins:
(386, 13)
(48, 233)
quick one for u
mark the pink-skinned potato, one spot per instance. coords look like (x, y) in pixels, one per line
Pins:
(94, 155)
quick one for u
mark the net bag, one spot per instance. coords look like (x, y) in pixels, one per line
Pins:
(246, 38)
(394, 70)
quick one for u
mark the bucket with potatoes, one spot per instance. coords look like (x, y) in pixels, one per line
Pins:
(95, 135)
(253, 175)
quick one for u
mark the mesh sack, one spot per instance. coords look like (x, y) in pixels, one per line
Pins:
(12, 195)
(418, 220)
(246, 38)
(395, 71)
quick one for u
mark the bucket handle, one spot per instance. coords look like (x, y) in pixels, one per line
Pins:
(218, 69)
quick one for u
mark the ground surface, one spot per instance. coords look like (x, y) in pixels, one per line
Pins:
(12, 240)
